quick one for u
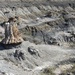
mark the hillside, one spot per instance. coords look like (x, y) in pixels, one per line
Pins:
(48, 30)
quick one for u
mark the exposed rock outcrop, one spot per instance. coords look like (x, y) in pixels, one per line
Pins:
(12, 34)
(50, 22)
(19, 55)
(33, 51)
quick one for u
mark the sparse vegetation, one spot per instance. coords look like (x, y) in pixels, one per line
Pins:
(47, 71)
(69, 71)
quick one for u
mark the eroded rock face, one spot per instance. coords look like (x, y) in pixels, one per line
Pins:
(33, 51)
(19, 55)
(12, 35)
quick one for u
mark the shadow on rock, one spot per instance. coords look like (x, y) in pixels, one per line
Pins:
(9, 46)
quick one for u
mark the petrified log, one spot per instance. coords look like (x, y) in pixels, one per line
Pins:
(12, 35)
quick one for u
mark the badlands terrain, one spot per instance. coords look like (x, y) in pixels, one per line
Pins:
(48, 30)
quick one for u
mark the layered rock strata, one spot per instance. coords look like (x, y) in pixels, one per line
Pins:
(12, 34)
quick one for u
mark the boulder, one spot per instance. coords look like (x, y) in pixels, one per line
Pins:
(19, 55)
(33, 51)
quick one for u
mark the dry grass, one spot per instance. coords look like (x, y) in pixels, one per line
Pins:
(69, 71)
(47, 71)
